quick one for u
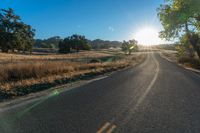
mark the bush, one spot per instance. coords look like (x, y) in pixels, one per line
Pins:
(193, 62)
(95, 61)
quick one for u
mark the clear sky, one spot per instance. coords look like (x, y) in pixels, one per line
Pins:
(104, 19)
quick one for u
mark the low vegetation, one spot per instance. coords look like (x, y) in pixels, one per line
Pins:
(186, 61)
(26, 74)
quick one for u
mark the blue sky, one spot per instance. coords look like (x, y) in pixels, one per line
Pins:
(104, 19)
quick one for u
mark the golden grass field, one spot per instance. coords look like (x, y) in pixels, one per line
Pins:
(47, 57)
(18, 72)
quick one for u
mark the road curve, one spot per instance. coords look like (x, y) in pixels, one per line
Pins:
(155, 97)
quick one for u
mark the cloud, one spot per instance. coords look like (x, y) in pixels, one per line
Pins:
(111, 28)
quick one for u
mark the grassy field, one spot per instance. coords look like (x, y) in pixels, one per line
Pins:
(15, 58)
(23, 74)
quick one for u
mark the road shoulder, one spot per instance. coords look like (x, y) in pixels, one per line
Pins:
(196, 71)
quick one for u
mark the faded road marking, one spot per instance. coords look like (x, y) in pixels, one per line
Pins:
(111, 129)
(105, 126)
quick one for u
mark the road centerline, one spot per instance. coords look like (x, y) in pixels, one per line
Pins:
(104, 127)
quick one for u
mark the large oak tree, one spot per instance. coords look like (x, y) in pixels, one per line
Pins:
(181, 18)
(14, 34)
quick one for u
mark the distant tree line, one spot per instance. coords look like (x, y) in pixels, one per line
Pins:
(53, 43)
(102, 44)
(14, 34)
(79, 42)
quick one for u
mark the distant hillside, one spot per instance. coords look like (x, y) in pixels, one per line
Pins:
(104, 44)
(53, 42)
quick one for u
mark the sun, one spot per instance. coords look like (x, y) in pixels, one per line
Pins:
(147, 36)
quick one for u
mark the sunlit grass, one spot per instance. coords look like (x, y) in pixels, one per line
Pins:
(25, 73)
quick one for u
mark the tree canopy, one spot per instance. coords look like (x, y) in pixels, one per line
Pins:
(181, 18)
(129, 46)
(14, 34)
(74, 42)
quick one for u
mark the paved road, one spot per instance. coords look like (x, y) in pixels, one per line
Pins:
(154, 97)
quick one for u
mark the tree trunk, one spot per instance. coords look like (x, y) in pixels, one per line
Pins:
(188, 36)
(197, 49)
(198, 52)
(194, 40)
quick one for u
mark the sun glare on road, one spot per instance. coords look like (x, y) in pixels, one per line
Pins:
(148, 36)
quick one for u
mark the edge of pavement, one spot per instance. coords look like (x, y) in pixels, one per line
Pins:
(196, 71)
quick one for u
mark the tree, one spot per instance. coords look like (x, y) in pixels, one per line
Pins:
(129, 46)
(14, 34)
(24, 37)
(74, 42)
(7, 22)
(79, 42)
(181, 18)
(65, 46)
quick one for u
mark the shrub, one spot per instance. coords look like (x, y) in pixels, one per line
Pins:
(193, 62)
(95, 61)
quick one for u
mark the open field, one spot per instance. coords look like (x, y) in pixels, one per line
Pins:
(15, 58)
(24, 74)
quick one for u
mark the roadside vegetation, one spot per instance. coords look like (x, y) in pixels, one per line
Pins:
(27, 74)
(181, 21)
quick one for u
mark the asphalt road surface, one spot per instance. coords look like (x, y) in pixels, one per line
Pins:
(155, 97)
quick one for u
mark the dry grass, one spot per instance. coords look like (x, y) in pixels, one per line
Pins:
(170, 55)
(26, 77)
(185, 61)
(20, 71)
(10, 58)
